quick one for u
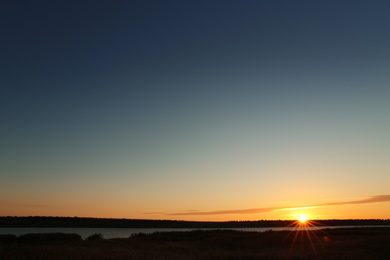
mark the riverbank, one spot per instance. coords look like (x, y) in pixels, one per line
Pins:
(339, 243)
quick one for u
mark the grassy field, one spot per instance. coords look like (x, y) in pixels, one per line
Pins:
(340, 243)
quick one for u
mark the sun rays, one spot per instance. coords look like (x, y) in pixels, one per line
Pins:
(304, 235)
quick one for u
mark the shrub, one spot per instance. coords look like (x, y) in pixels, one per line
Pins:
(8, 239)
(95, 237)
(48, 237)
(138, 235)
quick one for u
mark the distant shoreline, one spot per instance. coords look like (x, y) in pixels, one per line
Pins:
(80, 222)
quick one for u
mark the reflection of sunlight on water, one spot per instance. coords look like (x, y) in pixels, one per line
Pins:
(305, 232)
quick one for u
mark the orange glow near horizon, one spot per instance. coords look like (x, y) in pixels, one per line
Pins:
(374, 207)
(302, 218)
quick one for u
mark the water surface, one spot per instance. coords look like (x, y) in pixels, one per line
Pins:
(126, 232)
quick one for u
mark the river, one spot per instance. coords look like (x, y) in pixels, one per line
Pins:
(126, 232)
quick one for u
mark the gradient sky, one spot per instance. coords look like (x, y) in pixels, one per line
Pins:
(195, 110)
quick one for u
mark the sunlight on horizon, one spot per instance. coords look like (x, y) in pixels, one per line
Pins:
(303, 218)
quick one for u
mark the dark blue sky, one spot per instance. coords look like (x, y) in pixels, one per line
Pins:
(91, 89)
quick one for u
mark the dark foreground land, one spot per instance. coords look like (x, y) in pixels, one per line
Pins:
(340, 243)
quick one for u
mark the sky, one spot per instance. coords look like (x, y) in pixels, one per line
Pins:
(195, 110)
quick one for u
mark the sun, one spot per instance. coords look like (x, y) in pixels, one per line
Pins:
(302, 218)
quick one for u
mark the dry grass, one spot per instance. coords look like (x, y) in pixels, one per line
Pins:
(349, 243)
